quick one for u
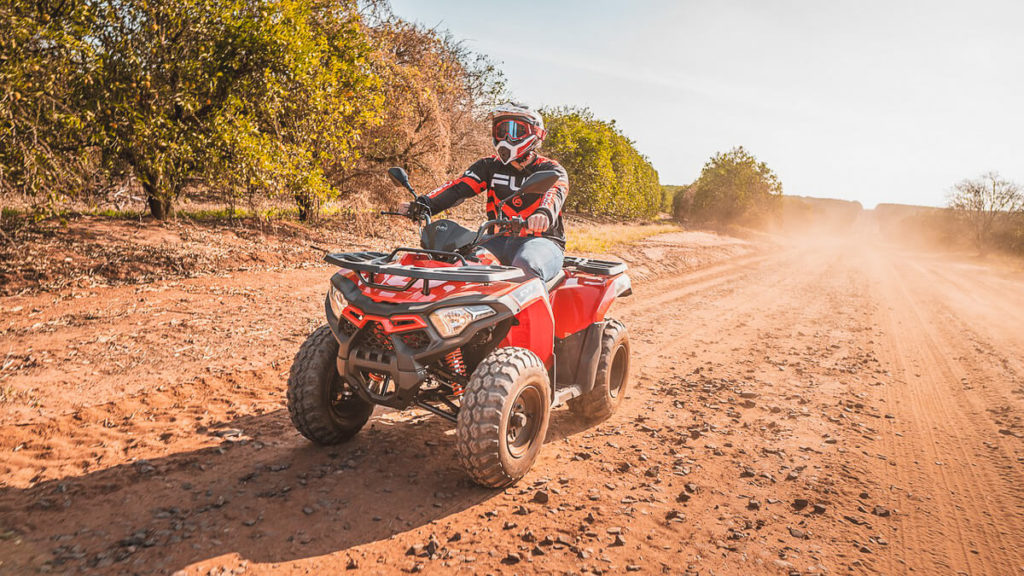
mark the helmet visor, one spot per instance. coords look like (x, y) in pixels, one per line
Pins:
(512, 131)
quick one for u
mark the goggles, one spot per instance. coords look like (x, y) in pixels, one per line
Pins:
(512, 131)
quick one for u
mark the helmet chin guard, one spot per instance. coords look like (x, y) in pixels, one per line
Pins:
(509, 152)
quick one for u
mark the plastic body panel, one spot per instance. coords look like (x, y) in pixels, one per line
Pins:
(583, 299)
(534, 330)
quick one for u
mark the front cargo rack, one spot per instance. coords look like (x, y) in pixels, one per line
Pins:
(367, 264)
(592, 266)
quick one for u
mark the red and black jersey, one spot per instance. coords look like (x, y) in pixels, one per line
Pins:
(503, 180)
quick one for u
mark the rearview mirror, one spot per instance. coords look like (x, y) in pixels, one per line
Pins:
(400, 178)
(539, 182)
(536, 183)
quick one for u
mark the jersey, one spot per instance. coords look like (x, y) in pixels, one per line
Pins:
(503, 180)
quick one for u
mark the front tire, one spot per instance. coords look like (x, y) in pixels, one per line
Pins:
(612, 379)
(322, 406)
(504, 417)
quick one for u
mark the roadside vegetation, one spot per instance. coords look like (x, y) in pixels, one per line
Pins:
(236, 102)
(260, 107)
(734, 187)
(609, 176)
(991, 209)
(262, 110)
(598, 238)
(983, 214)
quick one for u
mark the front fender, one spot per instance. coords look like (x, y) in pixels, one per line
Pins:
(533, 330)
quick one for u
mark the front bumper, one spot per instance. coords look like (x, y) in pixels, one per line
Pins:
(405, 355)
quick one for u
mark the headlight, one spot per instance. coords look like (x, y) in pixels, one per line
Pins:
(337, 300)
(451, 322)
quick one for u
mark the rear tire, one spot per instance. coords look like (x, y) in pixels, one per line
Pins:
(612, 380)
(504, 417)
(320, 403)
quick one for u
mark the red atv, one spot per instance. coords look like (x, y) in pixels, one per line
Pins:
(446, 328)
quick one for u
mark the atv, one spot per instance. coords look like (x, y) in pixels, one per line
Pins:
(446, 328)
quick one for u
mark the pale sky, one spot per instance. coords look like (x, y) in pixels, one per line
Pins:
(861, 100)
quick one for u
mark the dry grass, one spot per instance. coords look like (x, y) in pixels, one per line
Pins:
(11, 395)
(602, 237)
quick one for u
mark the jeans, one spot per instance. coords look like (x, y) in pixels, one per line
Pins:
(537, 257)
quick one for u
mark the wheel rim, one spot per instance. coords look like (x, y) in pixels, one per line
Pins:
(523, 420)
(340, 400)
(617, 374)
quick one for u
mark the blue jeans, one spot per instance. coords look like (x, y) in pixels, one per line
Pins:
(537, 257)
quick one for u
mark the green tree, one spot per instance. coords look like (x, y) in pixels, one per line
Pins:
(682, 199)
(45, 65)
(732, 185)
(260, 93)
(668, 196)
(303, 122)
(607, 175)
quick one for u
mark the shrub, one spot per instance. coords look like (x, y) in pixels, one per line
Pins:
(732, 186)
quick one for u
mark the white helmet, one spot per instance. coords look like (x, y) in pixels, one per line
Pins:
(516, 131)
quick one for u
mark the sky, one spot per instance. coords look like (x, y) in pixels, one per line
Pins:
(861, 100)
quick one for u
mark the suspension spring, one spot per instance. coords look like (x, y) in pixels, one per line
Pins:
(456, 364)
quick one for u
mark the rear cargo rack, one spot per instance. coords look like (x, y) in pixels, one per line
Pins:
(596, 267)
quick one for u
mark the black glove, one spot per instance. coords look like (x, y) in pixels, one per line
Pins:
(422, 206)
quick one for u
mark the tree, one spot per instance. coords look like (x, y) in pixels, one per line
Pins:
(668, 196)
(44, 68)
(230, 91)
(732, 185)
(682, 200)
(607, 175)
(304, 121)
(436, 95)
(983, 202)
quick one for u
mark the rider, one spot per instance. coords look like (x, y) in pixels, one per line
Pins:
(516, 132)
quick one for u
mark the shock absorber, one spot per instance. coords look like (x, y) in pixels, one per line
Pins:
(455, 363)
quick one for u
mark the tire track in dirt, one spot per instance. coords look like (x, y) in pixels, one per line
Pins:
(747, 309)
(963, 504)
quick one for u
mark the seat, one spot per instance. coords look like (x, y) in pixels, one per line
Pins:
(445, 235)
(554, 282)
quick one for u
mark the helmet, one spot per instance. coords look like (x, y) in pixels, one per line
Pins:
(516, 131)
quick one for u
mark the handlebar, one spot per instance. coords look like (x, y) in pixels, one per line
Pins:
(513, 226)
(418, 212)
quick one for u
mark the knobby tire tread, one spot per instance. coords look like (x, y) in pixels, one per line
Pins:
(479, 422)
(306, 406)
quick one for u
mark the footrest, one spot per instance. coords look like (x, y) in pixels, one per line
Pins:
(563, 395)
(592, 266)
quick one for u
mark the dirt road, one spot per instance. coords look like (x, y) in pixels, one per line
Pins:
(834, 408)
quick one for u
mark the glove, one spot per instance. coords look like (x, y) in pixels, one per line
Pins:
(538, 223)
(418, 206)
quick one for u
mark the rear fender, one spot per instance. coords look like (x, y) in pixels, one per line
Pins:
(577, 357)
(584, 299)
